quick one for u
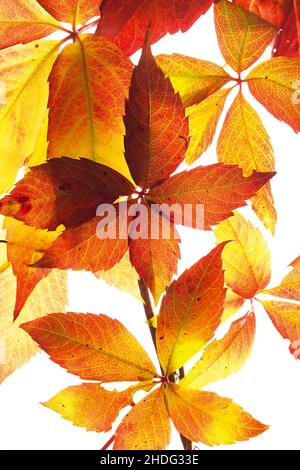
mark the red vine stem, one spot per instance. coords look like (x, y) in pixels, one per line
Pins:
(109, 443)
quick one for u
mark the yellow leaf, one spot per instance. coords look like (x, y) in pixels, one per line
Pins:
(289, 288)
(223, 357)
(203, 119)
(16, 345)
(88, 86)
(209, 418)
(244, 141)
(274, 84)
(193, 79)
(25, 70)
(233, 302)
(146, 426)
(242, 36)
(246, 259)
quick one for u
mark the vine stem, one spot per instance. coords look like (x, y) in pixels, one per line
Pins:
(109, 443)
(187, 444)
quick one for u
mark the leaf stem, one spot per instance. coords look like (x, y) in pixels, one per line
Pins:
(109, 442)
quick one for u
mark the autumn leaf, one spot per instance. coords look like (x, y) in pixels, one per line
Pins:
(146, 426)
(156, 128)
(127, 23)
(23, 21)
(193, 79)
(63, 191)
(246, 258)
(88, 85)
(84, 248)
(272, 83)
(289, 288)
(25, 70)
(93, 347)
(155, 255)
(91, 406)
(225, 356)
(288, 41)
(245, 142)
(272, 11)
(72, 11)
(25, 246)
(209, 418)
(218, 188)
(191, 311)
(286, 319)
(50, 295)
(203, 119)
(232, 304)
(242, 36)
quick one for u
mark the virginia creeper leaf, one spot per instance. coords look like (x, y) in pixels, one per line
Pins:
(288, 41)
(289, 288)
(219, 188)
(203, 119)
(191, 311)
(127, 22)
(91, 406)
(26, 246)
(242, 36)
(246, 258)
(156, 127)
(146, 426)
(233, 303)
(273, 84)
(155, 257)
(50, 295)
(23, 21)
(88, 85)
(81, 248)
(286, 319)
(93, 347)
(63, 191)
(245, 142)
(25, 70)
(223, 357)
(193, 79)
(273, 11)
(210, 418)
(72, 11)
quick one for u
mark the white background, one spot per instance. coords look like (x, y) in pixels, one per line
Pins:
(269, 384)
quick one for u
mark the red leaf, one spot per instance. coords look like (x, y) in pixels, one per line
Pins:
(127, 22)
(288, 40)
(63, 191)
(156, 128)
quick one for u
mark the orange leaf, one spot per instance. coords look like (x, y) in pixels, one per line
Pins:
(193, 79)
(93, 347)
(233, 303)
(72, 11)
(289, 288)
(146, 426)
(209, 418)
(273, 84)
(223, 357)
(81, 248)
(156, 127)
(88, 85)
(91, 406)
(63, 191)
(23, 21)
(263, 206)
(246, 258)
(242, 36)
(203, 119)
(127, 22)
(286, 319)
(51, 295)
(155, 255)
(26, 246)
(218, 188)
(191, 311)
